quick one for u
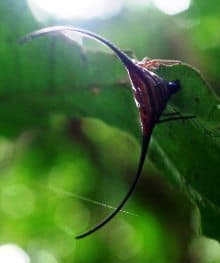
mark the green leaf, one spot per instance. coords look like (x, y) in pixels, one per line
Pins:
(189, 150)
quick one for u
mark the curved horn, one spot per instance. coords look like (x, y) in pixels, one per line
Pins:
(55, 29)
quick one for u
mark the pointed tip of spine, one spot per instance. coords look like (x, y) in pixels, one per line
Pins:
(23, 40)
(81, 236)
(26, 38)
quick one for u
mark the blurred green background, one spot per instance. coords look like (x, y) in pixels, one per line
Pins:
(70, 138)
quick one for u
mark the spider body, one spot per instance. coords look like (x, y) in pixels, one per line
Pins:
(151, 94)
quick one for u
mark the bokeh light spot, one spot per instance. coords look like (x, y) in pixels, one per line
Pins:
(44, 256)
(171, 7)
(6, 149)
(71, 216)
(17, 200)
(68, 9)
(10, 253)
(124, 248)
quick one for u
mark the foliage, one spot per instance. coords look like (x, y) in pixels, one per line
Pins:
(69, 127)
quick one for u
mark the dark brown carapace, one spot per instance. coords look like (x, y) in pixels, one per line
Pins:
(151, 94)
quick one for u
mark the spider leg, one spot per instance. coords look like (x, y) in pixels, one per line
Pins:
(177, 113)
(153, 64)
(176, 118)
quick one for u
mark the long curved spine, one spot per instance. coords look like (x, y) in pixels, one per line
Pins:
(144, 147)
(56, 29)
